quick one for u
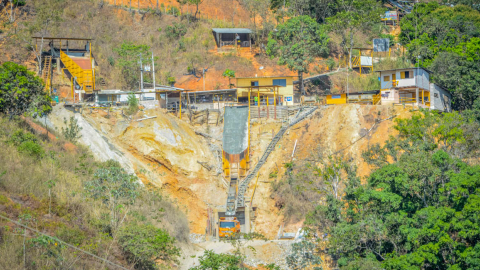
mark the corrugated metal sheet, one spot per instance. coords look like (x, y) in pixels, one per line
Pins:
(232, 30)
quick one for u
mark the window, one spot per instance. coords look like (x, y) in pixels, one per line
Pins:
(281, 82)
(254, 83)
(406, 75)
(386, 78)
(227, 224)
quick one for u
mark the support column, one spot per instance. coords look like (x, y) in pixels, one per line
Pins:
(360, 60)
(423, 97)
(268, 110)
(416, 96)
(258, 102)
(275, 103)
(180, 105)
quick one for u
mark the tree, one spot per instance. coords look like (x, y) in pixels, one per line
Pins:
(128, 61)
(354, 16)
(194, 2)
(48, 14)
(115, 187)
(22, 92)
(229, 74)
(132, 102)
(296, 50)
(418, 210)
(72, 130)
(446, 40)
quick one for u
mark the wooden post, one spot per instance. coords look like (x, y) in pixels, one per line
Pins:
(360, 60)
(268, 111)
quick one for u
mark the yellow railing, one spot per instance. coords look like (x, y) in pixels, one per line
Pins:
(356, 61)
(377, 99)
(407, 100)
(84, 77)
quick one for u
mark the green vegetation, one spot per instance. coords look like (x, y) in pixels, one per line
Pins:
(417, 209)
(229, 74)
(96, 206)
(144, 244)
(447, 42)
(22, 92)
(296, 51)
(72, 130)
(132, 102)
(129, 55)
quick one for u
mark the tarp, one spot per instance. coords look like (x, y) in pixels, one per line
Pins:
(366, 60)
(235, 130)
(381, 44)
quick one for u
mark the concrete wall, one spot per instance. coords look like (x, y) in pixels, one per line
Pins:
(286, 92)
(441, 99)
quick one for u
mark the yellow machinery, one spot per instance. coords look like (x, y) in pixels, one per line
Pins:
(78, 64)
(228, 226)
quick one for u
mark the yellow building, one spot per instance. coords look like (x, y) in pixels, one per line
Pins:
(285, 93)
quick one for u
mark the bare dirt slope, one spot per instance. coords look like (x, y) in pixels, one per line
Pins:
(162, 151)
(336, 129)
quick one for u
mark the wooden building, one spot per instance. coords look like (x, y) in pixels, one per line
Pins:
(231, 38)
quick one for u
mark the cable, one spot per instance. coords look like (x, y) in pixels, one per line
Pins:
(67, 244)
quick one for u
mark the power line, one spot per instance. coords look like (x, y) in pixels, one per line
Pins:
(67, 244)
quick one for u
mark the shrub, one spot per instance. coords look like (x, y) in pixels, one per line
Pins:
(115, 188)
(26, 143)
(132, 103)
(72, 130)
(144, 244)
(31, 148)
(176, 30)
(331, 63)
(72, 236)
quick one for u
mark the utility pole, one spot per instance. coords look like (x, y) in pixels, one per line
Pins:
(153, 72)
(141, 77)
(204, 79)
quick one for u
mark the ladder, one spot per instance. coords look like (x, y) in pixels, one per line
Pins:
(243, 186)
(47, 72)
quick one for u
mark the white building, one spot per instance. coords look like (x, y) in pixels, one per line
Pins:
(413, 86)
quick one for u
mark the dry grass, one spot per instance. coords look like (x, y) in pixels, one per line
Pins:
(71, 216)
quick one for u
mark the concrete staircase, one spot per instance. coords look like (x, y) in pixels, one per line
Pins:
(243, 186)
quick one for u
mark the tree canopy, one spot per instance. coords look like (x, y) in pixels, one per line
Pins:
(22, 92)
(297, 43)
(419, 209)
(447, 41)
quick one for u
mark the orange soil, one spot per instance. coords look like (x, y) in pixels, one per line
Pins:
(41, 130)
(214, 9)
